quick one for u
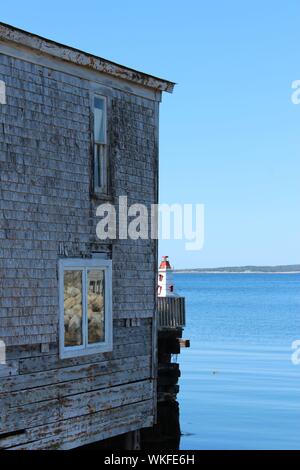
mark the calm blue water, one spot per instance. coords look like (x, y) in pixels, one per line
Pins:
(239, 388)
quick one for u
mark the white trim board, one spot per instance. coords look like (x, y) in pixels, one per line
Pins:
(29, 55)
(83, 265)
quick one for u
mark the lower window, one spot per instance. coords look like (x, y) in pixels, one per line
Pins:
(85, 306)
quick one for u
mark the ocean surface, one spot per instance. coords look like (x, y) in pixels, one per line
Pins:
(239, 388)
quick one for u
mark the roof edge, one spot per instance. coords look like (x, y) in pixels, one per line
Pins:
(84, 59)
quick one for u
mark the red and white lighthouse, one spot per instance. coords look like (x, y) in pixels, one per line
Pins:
(165, 279)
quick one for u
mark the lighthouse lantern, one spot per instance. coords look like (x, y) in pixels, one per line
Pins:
(165, 279)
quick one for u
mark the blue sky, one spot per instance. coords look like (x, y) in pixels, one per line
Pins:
(229, 135)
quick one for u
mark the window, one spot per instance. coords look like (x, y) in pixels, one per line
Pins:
(100, 145)
(85, 306)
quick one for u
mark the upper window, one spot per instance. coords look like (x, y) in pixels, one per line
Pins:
(100, 145)
(85, 306)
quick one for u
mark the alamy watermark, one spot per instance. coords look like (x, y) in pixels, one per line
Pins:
(2, 353)
(295, 96)
(159, 221)
(296, 354)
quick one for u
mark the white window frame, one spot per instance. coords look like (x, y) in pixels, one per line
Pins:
(84, 265)
(100, 147)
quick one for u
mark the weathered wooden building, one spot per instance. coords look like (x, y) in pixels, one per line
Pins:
(77, 314)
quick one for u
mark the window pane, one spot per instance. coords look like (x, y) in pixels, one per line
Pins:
(99, 120)
(100, 166)
(96, 332)
(73, 308)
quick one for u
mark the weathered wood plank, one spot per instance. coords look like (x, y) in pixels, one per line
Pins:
(106, 430)
(48, 362)
(66, 374)
(76, 429)
(184, 343)
(49, 411)
(9, 369)
(65, 389)
(29, 350)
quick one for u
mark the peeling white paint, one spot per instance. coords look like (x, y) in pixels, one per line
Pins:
(60, 51)
(2, 92)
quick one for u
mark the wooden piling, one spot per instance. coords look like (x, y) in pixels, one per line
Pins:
(171, 322)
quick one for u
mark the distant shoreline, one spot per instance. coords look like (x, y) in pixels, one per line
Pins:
(279, 269)
(178, 271)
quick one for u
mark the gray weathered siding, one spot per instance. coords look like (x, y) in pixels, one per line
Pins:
(46, 207)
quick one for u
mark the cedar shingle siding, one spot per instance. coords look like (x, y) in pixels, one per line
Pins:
(47, 211)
